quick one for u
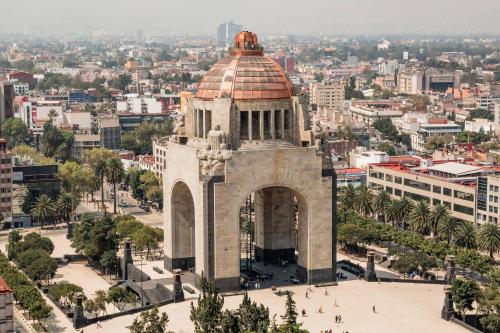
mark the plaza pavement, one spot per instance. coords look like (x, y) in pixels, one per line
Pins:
(401, 307)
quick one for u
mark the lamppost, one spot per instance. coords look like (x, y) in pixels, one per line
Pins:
(142, 290)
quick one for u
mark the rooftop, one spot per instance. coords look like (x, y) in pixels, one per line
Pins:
(4, 287)
(454, 168)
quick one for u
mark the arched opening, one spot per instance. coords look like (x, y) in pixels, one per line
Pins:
(273, 238)
(183, 222)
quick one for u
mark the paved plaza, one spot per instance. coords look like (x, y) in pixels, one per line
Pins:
(400, 307)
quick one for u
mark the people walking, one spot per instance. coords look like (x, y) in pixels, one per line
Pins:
(373, 308)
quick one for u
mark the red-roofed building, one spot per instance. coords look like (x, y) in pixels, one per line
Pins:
(6, 309)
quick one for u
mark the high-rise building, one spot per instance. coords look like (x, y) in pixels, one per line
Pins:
(226, 33)
(6, 100)
(5, 183)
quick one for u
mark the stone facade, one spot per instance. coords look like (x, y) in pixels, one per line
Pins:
(227, 149)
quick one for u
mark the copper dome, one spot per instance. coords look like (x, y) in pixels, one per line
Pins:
(245, 75)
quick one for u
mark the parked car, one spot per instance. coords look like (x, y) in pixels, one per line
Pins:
(124, 204)
(145, 208)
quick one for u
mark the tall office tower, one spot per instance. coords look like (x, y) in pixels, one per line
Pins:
(226, 33)
(6, 100)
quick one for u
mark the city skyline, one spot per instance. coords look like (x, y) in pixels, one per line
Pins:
(321, 17)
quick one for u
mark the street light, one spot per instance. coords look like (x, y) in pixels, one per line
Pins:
(142, 290)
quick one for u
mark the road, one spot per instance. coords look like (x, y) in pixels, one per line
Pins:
(152, 218)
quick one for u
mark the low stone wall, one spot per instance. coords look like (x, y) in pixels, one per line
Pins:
(465, 325)
(384, 279)
(135, 274)
(89, 321)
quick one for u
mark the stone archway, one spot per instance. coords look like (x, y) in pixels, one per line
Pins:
(276, 218)
(183, 228)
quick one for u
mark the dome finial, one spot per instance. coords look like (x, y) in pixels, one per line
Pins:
(245, 43)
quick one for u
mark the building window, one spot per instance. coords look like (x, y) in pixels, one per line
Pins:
(388, 177)
(397, 192)
(417, 184)
(378, 175)
(447, 191)
(463, 209)
(436, 202)
(447, 204)
(464, 195)
(398, 180)
(436, 189)
(389, 189)
(417, 197)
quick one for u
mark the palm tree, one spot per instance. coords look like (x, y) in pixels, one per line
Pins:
(100, 172)
(381, 203)
(488, 239)
(447, 228)
(466, 236)
(348, 197)
(364, 200)
(439, 213)
(66, 205)
(405, 208)
(114, 174)
(420, 217)
(393, 211)
(93, 185)
(43, 209)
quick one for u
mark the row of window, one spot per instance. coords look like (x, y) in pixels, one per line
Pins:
(417, 197)
(5, 161)
(493, 188)
(424, 186)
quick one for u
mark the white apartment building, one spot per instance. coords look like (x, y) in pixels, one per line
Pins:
(159, 153)
(21, 89)
(388, 67)
(361, 157)
(477, 125)
(139, 104)
(35, 114)
(421, 137)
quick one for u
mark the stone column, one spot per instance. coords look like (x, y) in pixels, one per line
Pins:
(282, 125)
(447, 310)
(261, 123)
(274, 225)
(127, 259)
(195, 123)
(450, 268)
(370, 274)
(79, 319)
(178, 292)
(273, 125)
(250, 125)
(204, 124)
(69, 233)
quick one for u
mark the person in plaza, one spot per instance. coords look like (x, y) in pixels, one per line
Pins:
(99, 324)
(326, 292)
(373, 308)
(307, 294)
(303, 312)
(321, 309)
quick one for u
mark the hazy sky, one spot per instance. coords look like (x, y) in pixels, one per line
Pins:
(269, 16)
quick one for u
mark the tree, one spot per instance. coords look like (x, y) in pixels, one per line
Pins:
(388, 148)
(447, 228)
(488, 239)
(364, 200)
(42, 268)
(405, 206)
(150, 322)
(100, 300)
(56, 143)
(381, 203)
(464, 293)
(44, 210)
(73, 176)
(97, 158)
(348, 197)
(290, 316)
(93, 237)
(419, 217)
(64, 293)
(207, 316)
(252, 317)
(66, 204)
(393, 211)
(15, 132)
(147, 237)
(114, 174)
(489, 303)
(438, 214)
(466, 236)
(127, 225)
(120, 297)
(108, 260)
